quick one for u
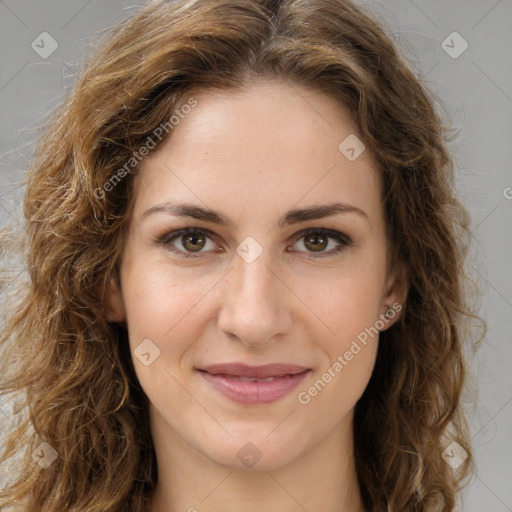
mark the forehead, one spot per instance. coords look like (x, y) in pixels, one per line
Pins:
(271, 144)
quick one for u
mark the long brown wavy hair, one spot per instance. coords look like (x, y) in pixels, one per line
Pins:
(69, 370)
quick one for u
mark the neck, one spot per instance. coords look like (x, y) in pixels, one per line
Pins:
(322, 480)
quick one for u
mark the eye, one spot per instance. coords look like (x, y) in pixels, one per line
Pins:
(188, 242)
(317, 240)
(192, 242)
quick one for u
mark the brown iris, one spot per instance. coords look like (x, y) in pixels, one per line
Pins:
(316, 242)
(193, 242)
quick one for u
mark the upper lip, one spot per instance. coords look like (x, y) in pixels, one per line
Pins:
(258, 372)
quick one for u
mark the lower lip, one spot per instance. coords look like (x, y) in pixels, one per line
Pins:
(252, 393)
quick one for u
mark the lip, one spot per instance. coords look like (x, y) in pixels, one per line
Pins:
(257, 372)
(234, 381)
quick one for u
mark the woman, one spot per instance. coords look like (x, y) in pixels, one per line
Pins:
(246, 281)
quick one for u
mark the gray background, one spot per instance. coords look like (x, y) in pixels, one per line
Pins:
(475, 91)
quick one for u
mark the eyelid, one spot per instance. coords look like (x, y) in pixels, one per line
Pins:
(331, 233)
(343, 240)
(171, 235)
(168, 237)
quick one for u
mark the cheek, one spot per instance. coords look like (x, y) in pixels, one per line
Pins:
(160, 299)
(346, 309)
(335, 392)
(346, 301)
(167, 309)
(349, 308)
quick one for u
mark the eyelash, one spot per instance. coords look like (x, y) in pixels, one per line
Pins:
(341, 238)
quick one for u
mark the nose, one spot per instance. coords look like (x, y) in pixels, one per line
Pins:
(256, 305)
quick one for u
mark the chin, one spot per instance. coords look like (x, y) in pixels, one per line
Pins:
(254, 452)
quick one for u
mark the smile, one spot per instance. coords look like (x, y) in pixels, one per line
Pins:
(253, 385)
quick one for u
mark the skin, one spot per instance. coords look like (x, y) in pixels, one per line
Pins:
(252, 155)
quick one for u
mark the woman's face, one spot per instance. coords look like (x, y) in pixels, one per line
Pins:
(283, 263)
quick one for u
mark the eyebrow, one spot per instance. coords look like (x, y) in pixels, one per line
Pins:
(291, 217)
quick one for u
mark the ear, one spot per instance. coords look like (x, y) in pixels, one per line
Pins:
(395, 295)
(114, 302)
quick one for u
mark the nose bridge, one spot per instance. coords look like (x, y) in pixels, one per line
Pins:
(254, 308)
(255, 283)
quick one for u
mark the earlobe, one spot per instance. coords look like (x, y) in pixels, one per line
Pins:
(115, 311)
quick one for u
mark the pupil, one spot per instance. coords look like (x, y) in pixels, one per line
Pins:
(316, 239)
(194, 242)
